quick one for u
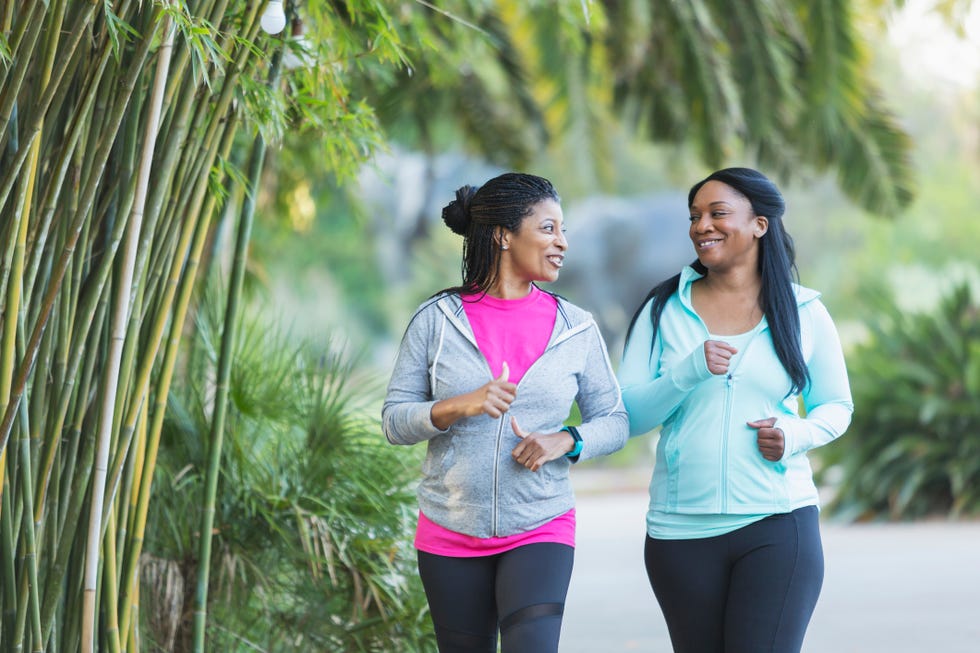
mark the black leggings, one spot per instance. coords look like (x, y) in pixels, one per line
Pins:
(749, 591)
(521, 592)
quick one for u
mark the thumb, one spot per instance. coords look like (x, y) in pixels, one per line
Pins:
(762, 423)
(504, 373)
(521, 433)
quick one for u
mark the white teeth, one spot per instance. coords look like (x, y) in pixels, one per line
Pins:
(707, 243)
(557, 260)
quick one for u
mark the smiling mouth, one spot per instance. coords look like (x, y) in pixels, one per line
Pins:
(704, 244)
(557, 261)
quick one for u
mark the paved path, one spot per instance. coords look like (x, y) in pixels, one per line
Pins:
(888, 588)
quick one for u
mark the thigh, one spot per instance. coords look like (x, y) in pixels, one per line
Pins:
(690, 580)
(460, 592)
(532, 583)
(775, 583)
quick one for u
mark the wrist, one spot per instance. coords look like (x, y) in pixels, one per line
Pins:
(576, 442)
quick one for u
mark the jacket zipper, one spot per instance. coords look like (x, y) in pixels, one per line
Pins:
(729, 402)
(496, 477)
(504, 421)
(726, 434)
(468, 334)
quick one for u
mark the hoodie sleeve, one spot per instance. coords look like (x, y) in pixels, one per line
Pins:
(406, 416)
(651, 393)
(605, 425)
(827, 398)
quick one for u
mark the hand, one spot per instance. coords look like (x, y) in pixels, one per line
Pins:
(493, 398)
(496, 396)
(718, 355)
(772, 441)
(535, 449)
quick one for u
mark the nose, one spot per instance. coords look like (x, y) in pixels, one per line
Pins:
(561, 241)
(701, 223)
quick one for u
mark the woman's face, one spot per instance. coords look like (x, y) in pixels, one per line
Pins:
(724, 229)
(536, 251)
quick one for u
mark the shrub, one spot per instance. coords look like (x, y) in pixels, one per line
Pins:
(314, 516)
(913, 447)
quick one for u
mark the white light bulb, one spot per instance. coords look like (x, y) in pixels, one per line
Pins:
(274, 18)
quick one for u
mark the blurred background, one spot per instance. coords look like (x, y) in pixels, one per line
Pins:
(357, 258)
(874, 139)
(216, 218)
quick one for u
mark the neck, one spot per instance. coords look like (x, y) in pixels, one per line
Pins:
(510, 289)
(738, 280)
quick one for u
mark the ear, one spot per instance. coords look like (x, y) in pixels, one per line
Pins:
(761, 226)
(501, 237)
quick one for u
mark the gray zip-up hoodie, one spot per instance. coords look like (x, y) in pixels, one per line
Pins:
(470, 484)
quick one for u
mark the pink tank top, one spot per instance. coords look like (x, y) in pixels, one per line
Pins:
(520, 342)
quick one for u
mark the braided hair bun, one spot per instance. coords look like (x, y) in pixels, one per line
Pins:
(456, 214)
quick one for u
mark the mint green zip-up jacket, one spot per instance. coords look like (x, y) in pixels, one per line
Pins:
(470, 483)
(707, 458)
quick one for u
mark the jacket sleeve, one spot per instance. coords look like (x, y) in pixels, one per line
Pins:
(406, 416)
(605, 425)
(827, 398)
(652, 393)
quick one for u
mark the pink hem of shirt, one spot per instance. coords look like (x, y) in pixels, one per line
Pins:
(430, 537)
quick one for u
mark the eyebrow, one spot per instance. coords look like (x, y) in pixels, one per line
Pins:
(715, 203)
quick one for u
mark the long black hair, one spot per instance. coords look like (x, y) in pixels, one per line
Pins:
(777, 267)
(475, 214)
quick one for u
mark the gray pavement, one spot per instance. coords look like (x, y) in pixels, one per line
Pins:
(888, 588)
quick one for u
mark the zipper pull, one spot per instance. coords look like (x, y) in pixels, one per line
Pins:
(729, 379)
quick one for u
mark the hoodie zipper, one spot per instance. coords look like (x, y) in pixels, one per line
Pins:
(496, 477)
(729, 404)
(505, 419)
(729, 397)
(561, 336)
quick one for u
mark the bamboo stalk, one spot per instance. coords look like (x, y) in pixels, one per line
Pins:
(193, 209)
(125, 89)
(27, 603)
(86, 310)
(81, 454)
(120, 320)
(75, 33)
(224, 373)
(28, 600)
(111, 631)
(11, 311)
(24, 39)
(186, 290)
(7, 549)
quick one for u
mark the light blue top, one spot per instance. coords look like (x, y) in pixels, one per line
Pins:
(707, 460)
(664, 525)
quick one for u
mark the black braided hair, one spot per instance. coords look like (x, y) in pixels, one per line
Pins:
(475, 214)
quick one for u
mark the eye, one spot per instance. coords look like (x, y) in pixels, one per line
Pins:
(548, 227)
(693, 218)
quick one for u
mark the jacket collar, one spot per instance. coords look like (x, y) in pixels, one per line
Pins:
(567, 321)
(689, 275)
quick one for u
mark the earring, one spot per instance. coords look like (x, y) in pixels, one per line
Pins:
(503, 247)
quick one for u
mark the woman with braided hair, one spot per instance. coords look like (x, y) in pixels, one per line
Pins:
(486, 375)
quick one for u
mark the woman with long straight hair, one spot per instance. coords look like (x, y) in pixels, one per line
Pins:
(486, 376)
(720, 357)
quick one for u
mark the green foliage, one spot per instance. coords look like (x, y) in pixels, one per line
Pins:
(313, 521)
(912, 448)
(787, 84)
